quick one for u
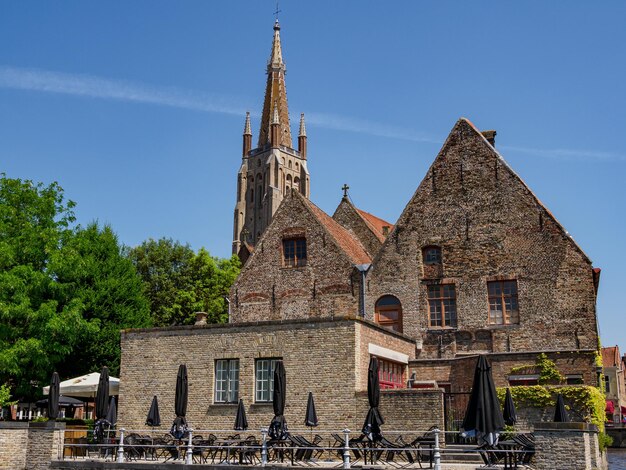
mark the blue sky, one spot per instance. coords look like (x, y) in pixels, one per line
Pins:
(137, 108)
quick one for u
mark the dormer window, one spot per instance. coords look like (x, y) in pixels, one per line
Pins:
(432, 255)
(294, 252)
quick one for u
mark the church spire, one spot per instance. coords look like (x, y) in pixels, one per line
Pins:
(247, 136)
(302, 137)
(275, 96)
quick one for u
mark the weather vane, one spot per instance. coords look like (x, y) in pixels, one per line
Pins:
(277, 11)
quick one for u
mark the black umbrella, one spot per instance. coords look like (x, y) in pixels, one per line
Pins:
(278, 426)
(179, 427)
(53, 397)
(560, 413)
(102, 405)
(112, 413)
(373, 420)
(241, 422)
(154, 418)
(311, 415)
(483, 416)
(509, 414)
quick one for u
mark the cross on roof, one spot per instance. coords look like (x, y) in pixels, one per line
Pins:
(277, 11)
(345, 188)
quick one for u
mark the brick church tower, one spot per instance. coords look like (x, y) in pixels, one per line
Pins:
(274, 167)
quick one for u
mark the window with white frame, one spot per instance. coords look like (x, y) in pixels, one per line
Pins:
(226, 380)
(264, 386)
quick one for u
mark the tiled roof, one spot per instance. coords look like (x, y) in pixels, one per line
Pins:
(346, 241)
(376, 224)
(610, 356)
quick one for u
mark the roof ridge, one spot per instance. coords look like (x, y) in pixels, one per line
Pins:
(344, 238)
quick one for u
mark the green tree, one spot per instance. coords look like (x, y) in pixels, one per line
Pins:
(64, 291)
(179, 282)
(91, 267)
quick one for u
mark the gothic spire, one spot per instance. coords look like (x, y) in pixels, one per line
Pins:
(302, 132)
(275, 96)
(247, 130)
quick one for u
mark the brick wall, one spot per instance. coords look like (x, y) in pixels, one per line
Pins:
(489, 226)
(30, 446)
(319, 356)
(459, 372)
(567, 446)
(266, 290)
(348, 217)
(13, 445)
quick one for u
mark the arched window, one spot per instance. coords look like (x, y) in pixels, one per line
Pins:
(389, 313)
(289, 164)
(288, 182)
(296, 183)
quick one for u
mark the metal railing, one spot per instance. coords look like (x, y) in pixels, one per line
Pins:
(229, 448)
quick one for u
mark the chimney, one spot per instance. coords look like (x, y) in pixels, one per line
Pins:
(490, 136)
(201, 318)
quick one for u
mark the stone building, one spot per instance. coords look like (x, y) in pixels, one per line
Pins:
(474, 265)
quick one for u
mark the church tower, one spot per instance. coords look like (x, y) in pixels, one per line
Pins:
(272, 169)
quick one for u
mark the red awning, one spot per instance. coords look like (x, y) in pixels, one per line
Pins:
(610, 408)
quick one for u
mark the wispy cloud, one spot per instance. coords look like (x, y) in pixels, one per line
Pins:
(566, 154)
(122, 90)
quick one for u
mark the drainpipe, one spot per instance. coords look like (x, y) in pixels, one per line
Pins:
(228, 302)
(363, 268)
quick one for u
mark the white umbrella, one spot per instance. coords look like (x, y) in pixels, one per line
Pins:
(85, 386)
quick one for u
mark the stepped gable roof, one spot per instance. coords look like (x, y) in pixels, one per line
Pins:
(376, 224)
(344, 238)
(611, 356)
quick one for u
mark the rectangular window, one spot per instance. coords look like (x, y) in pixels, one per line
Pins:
(294, 252)
(442, 305)
(503, 309)
(265, 379)
(226, 380)
(607, 384)
(390, 374)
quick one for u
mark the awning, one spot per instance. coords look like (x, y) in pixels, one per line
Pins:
(610, 408)
(85, 386)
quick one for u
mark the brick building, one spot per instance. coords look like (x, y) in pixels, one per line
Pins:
(614, 384)
(475, 264)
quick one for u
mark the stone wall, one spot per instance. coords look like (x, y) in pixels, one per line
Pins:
(347, 215)
(489, 227)
(567, 446)
(13, 445)
(30, 446)
(320, 355)
(459, 372)
(267, 290)
(411, 411)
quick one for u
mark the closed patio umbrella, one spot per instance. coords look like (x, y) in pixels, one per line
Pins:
(373, 420)
(179, 427)
(102, 405)
(154, 417)
(560, 413)
(311, 415)
(241, 422)
(278, 426)
(483, 417)
(53, 397)
(112, 413)
(509, 414)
